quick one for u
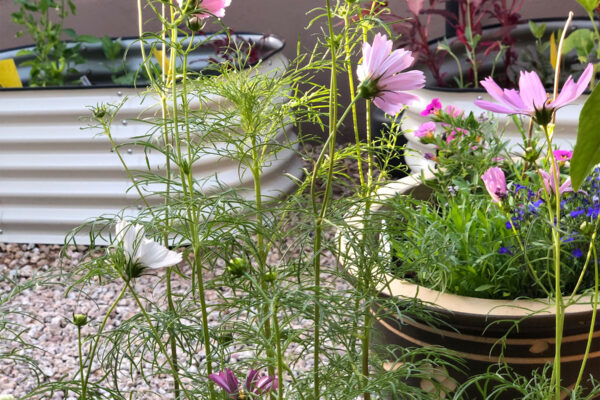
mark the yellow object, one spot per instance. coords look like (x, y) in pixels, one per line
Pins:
(162, 60)
(553, 51)
(9, 77)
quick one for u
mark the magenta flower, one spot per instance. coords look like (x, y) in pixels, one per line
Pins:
(495, 183)
(432, 107)
(228, 382)
(260, 384)
(425, 130)
(381, 77)
(562, 155)
(531, 98)
(255, 383)
(210, 7)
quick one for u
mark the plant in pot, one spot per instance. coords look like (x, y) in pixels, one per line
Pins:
(455, 64)
(62, 79)
(501, 247)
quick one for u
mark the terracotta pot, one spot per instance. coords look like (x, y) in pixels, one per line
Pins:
(474, 328)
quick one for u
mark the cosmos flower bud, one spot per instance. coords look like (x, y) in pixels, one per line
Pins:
(194, 24)
(237, 267)
(80, 320)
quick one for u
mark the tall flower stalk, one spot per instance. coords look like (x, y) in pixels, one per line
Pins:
(532, 100)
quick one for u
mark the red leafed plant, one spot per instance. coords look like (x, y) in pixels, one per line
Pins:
(467, 18)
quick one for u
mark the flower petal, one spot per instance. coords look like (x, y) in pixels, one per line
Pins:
(154, 255)
(532, 91)
(494, 107)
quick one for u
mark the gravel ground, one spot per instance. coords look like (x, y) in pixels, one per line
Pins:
(54, 338)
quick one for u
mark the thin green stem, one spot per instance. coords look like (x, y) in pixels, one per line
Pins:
(333, 104)
(92, 354)
(353, 95)
(157, 337)
(555, 223)
(592, 324)
(83, 391)
(280, 364)
(115, 148)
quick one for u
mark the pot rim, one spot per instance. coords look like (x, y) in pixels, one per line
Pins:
(280, 45)
(448, 302)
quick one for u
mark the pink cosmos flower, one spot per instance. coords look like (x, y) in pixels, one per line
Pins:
(562, 155)
(549, 183)
(495, 183)
(531, 98)
(211, 7)
(432, 107)
(454, 111)
(255, 383)
(381, 77)
(260, 384)
(228, 382)
(425, 130)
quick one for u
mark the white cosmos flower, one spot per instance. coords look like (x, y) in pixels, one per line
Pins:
(142, 250)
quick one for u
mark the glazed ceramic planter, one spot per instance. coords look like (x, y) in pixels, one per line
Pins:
(567, 117)
(482, 332)
(54, 176)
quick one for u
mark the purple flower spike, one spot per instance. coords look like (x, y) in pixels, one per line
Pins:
(531, 98)
(227, 381)
(495, 183)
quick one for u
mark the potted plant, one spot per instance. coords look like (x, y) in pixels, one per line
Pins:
(455, 64)
(500, 248)
(62, 170)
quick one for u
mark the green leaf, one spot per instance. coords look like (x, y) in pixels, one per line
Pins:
(21, 53)
(483, 288)
(587, 148)
(582, 40)
(537, 30)
(70, 33)
(87, 39)
(589, 5)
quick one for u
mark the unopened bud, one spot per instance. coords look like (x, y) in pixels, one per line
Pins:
(270, 276)
(225, 339)
(194, 24)
(7, 397)
(237, 266)
(586, 228)
(79, 320)
(99, 112)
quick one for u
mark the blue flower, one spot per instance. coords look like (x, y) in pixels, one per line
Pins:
(533, 207)
(593, 211)
(504, 250)
(576, 213)
(577, 253)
